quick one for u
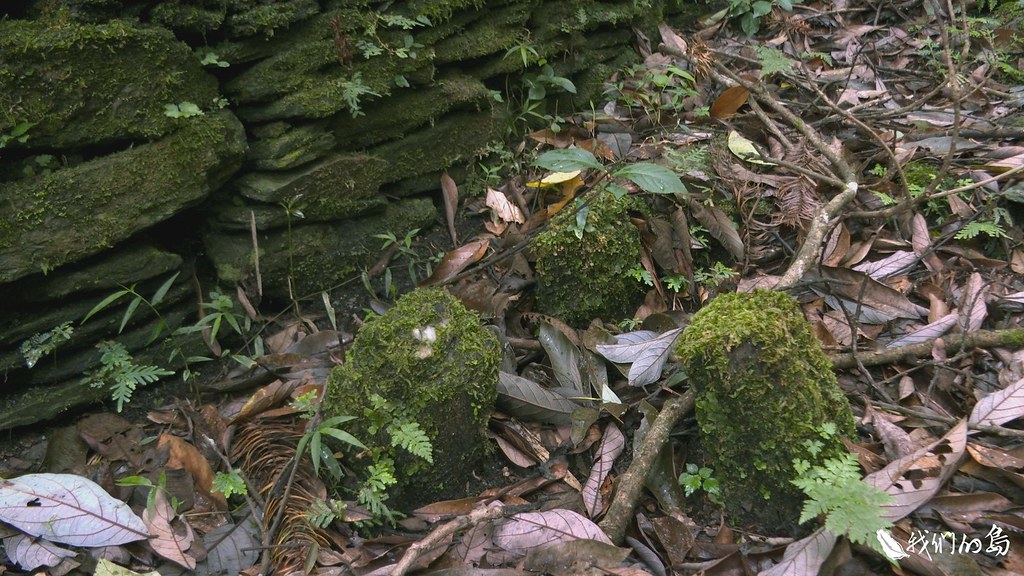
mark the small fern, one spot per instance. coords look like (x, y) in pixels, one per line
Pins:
(410, 436)
(374, 492)
(119, 371)
(851, 506)
(322, 513)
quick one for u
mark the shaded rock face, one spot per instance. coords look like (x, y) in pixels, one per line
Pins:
(143, 139)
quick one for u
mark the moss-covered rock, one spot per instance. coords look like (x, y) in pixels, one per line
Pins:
(279, 146)
(324, 255)
(455, 138)
(380, 122)
(335, 188)
(87, 84)
(75, 212)
(763, 388)
(434, 363)
(582, 273)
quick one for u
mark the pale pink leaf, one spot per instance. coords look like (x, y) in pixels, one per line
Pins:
(30, 553)
(68, 509)
(171, 539)
(612, 445)
(926, 332)
(973, 305)
(805, 556)
(647, 351)
(1000, 407)
(528, 400)
(529, 530)
(899, 261)
(505, 209)
(914, 479)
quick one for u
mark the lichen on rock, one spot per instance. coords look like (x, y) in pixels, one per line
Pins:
(582, 270)
(763, 387)
(430, 358)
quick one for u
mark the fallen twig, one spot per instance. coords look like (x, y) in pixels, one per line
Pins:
(632, 482)
(953, 344)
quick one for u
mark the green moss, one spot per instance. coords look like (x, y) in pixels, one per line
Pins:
(249, 18)
(455, 138)
(763, 387)
(324, 255)
(580, 279)
(445, 381)
(75, 212)
(85, 84)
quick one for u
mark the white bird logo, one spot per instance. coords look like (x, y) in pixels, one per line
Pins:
(890, 546)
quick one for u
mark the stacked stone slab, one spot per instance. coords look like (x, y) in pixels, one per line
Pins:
(139, 139)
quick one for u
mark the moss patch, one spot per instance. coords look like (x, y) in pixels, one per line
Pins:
(763, 388)
(85, 84)
(324, 255)
(429, 357)
(76, 212)
(582, 278)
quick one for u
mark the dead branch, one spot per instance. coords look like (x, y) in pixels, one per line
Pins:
(620, 513)
(439, 534)
(953, 344)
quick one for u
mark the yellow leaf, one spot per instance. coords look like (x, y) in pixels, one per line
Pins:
(553, 178)
(744, 149)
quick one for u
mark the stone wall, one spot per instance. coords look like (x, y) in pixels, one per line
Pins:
(140, 139)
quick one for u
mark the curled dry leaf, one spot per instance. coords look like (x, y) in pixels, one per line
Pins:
(451, 203)
(456, 260)
(805, 556)
(506, 210)
(913, 479)
(171, 539)
(612, 445)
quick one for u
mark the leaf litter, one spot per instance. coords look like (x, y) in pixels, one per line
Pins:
(925, 273)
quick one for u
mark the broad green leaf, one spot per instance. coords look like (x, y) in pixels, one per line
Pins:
(761, 7)
(344, 437)
(652, 178)
(104, 303)
(132, 307)
(158, 296)
(567, 160)
(314, 452)
(563, 83)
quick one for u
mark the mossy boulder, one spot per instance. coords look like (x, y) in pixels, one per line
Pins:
(433, 362)
(317, 256)
(582, 270)
(79, 211)
(89, 84)
(763, 388)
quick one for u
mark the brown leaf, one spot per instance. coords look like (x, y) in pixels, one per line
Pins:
(171, 539)
(729, 101)
(184, 456)
(451, 204)
(506, 210)
(456, 260)
(915, 478)
(612, 445)
(1000, 407)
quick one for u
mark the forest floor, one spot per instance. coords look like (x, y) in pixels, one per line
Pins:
(867, 160)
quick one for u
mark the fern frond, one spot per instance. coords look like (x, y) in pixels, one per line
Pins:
(410, 436)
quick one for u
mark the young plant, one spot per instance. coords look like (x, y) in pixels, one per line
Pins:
(834, 489)
(699, 478)
(120, 373)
